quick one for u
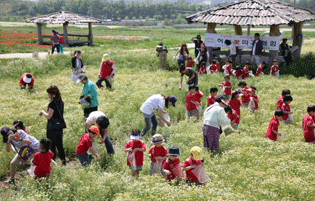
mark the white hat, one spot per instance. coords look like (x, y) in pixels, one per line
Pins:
(81, 77)
(27, 79)
(134, 136)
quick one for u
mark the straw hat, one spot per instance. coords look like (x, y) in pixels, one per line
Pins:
(196, 152)
(157, 138)
(105, 57)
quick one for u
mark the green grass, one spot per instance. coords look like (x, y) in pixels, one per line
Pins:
(248, 167)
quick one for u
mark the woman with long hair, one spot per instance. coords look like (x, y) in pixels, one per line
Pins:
(183, 54)
(55, 111)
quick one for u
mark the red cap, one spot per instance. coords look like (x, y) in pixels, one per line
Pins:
(202, 45)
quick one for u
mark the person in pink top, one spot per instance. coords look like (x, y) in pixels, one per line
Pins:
(226, 86)
(245, 94)
(27, 79)
(43, 159)
(235, 103)
(274, 70)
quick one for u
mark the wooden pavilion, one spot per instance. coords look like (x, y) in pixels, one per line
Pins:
(257, 13)
(65, 18)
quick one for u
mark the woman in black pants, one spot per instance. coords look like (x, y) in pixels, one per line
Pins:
(55, 110)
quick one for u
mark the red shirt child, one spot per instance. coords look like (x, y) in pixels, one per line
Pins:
(235, 105)
(190, 176)
(157, 152)
(203, 70)
(308, 128)
(42, 162)
(210, 100)
(245, 97)
(213, 68)
(134, 144)
(280, 103)
(233, 116)
(190, 63)
(218, 66)
(61, 41)
(23, 83)
(198, 95)
(170, 165)
(259, 70)
(273, 126)
(274, 69)
(255, 97)
(228, 87)
(229, 69)
(285, 107)
(239, 74)
(84, 144)
(189, 105)
(245, 72)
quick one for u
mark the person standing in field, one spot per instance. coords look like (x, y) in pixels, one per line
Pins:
(27, 79)
(62, 43)
(285, 51)
(77, 65)
(203, 55)
(257, 48)
(107, 72)
(55, 42)
(155, 102)
(272, 131)
(198, 43)
(162, 54)
(183, 54)
(55, 111)
(214, 118)
(233, 53)
(88, 92)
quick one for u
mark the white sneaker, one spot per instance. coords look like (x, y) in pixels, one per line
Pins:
(10, 181)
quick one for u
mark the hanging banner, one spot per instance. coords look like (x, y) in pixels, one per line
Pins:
(243, 42)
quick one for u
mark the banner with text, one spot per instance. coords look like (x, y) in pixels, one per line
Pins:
(243, 42)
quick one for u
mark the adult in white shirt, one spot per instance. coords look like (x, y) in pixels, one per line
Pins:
(17, 140)
(183, 54)
(232, 47)
(155, 102)
(257, 50)
(99, 119)
(214, 118)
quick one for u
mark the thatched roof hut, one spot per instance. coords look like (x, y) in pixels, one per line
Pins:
(65, 18)
(255, 13)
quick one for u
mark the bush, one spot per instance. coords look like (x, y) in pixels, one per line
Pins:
(303, 66)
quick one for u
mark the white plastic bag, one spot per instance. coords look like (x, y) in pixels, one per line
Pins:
(111, 80)
(251, 74)
(157, 168)
(84, 103)
(186, 86)
(290, 118)
(251, 104)
(132, 160)
(178, 171)
(281, 138)
(222, 91)
(201, 174)
(31, 170)
(277, 74)
(196, 61)
(94, 146)
(167, 118)
(226, 72)
(228, 129)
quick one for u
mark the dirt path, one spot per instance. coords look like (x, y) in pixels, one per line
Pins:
(41, 55)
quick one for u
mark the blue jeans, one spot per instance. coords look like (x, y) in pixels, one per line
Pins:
(148, 118)
(84, 159)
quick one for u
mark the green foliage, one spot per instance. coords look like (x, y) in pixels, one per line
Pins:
(302, 66)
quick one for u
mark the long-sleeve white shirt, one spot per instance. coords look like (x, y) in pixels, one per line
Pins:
(215, 116)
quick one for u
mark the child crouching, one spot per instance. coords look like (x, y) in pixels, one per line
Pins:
(171, 167)
(158, 154)
(135, 148)
(191, 163)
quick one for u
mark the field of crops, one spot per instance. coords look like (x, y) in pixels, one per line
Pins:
(247, 167)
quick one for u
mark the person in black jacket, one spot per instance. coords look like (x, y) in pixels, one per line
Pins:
(285, 51)
(77, 65)
(257, 50)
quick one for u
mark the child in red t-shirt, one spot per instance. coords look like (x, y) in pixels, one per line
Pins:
(198, 95)
(238, 73)
(192, 103)
(216, 59)
(203, 69)
(272, 131)
(254, 97)
(135, 148)
(287, 109)
(227, 87)
(213, 67)
(228, 67)
(86, 143)
(280, 99)
(245, 71)
(232, 115)
(190, 62)
(235, 103)
(274, 70)
(213, 94)
(308, 125)
(158, 154)
(171, 168)
(261, 68)
(245, 99)
(191, 163)
(42, 159)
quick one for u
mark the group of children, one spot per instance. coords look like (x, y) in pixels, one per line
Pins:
(162, 162)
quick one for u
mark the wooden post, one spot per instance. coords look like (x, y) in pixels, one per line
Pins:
(274, 31)
(238, 31)
(39, 33)
(211, 29)
(65, 33)
(248, 30)
(90, 36)
(297, 38)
